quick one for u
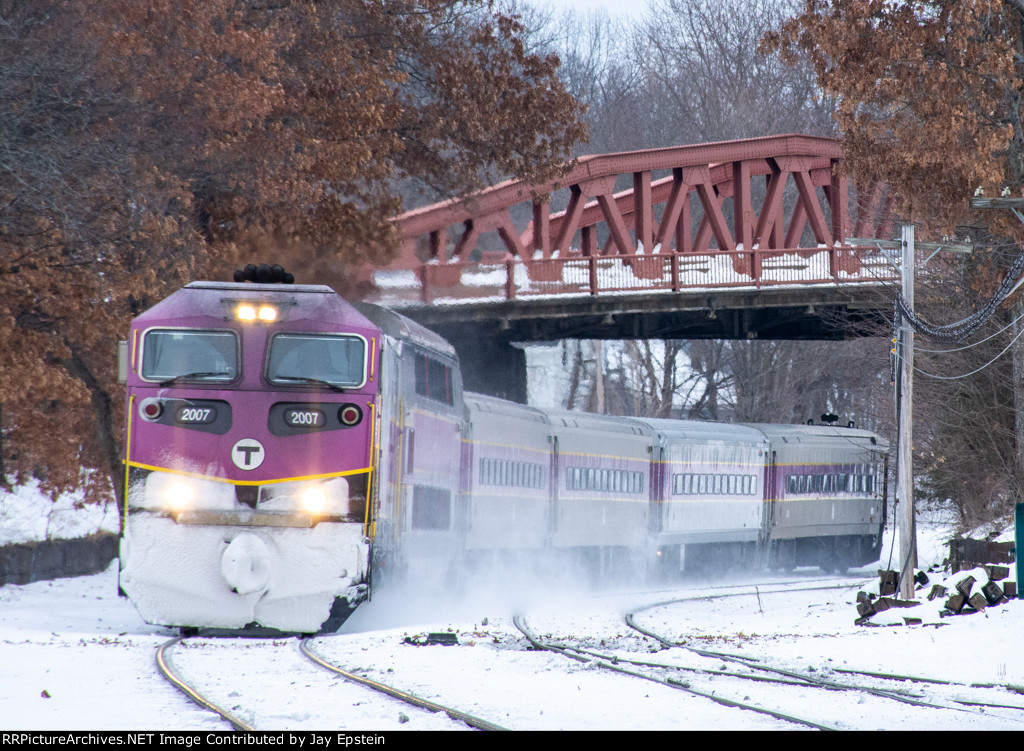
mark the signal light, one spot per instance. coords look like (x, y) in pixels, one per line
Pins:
(246, 313)
(151, 409)
(350, 414)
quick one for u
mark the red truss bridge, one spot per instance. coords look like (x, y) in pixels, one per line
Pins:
(739, 239)
(755, 213)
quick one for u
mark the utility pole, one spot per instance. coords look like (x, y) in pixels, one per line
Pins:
(905, 455)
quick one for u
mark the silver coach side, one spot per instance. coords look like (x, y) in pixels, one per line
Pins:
(826, 496)
(510, 456)
(711, 490)
(602, 490)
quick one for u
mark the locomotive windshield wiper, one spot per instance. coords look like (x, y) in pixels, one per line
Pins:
(306, 379)
(199, 374)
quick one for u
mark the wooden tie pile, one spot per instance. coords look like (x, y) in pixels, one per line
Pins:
(971, 588)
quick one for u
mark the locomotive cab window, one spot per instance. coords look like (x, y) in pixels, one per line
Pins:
(190, 355)
(333, 360)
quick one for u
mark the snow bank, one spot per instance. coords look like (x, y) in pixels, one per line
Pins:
(27, 514)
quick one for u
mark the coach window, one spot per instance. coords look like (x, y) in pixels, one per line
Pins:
(189, 355)
(433, 379)
(606, 480)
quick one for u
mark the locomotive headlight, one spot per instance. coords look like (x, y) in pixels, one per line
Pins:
(314, 500)
(173, 493)
(246, 312)
(327, 498)
(179, 495)
(250, 312)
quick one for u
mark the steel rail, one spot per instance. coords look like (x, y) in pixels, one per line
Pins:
(165, 669)
(809, 679)
(395, 693)
(678, 685)
(940, 682)
(615, 660)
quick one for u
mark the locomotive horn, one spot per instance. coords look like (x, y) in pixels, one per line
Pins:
(264, 274)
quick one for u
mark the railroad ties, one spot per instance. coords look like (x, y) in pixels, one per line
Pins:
(966, 590)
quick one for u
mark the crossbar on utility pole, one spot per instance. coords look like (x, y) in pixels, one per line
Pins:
(905, 460)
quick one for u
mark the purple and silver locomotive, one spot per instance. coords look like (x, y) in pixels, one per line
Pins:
(251, 419)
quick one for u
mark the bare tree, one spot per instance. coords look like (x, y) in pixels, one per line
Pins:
(786, 381)
(652, 373)
(707, 81)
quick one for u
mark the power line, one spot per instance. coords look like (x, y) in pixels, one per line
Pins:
(973, 372)
(956, 332)
(975, 344)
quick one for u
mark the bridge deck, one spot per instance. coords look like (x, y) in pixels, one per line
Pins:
(501, 277)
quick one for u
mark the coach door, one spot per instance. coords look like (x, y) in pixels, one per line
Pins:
(655, 523)
(772, 493)
(553, 475)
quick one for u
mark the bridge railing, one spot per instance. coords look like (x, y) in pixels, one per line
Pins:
(498, 276)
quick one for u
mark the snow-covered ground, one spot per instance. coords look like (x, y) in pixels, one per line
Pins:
(75, 656)
(27, 515)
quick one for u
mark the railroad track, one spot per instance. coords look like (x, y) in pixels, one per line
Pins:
(177, 680)
(490, 674)
(258, 716)
(411, 699)
(649, 671)
(923, 692)
(786, 694)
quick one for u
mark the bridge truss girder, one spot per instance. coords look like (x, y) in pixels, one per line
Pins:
(682, 213)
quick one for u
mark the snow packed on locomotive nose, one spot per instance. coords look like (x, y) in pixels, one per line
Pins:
(285, 450)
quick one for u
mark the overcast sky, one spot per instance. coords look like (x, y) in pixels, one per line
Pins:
(622, 8)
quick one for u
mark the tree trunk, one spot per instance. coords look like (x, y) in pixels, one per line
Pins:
(599, 376)
(103, 414)
(1018, 381)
